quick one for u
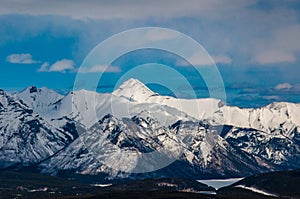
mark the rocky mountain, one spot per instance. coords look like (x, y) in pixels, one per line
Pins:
(25, 137)
(127, 147)
(38, 99)
(136, 133)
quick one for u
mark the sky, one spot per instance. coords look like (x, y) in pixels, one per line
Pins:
(254, 44)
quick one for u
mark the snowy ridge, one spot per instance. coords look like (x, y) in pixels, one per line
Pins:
(88, 107)
(25, 137)
(134, 90)
(121, 143)
(133, 97)
(284, 114)
(276, 115)
(38, 99)
(38, 126)
(198, 108)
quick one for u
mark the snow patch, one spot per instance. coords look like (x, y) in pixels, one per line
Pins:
(101, 185)
(253, 189)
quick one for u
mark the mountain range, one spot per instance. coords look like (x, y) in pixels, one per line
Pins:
(117, 135)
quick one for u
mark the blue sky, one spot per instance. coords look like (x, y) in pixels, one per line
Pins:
(255, 44)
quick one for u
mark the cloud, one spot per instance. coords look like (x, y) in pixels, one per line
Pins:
(222, 59)
(282, 44)
(25, 58)
(158, 35)
(100, 69)
(202, 59)
(62, 65)
(283, 86)
(249, 31)
(272, 97)
(44, 67)
(59, 66)
(130, 9)
(274, 57)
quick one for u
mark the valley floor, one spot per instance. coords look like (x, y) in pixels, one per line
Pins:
(16, 184)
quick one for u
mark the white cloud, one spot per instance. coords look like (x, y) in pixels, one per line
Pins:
(100, 69)
(202, 59)
(62, 65)
(59, 66)
(222, 59)
(286, 38)
(129, 9)
(280, 46)
(272, 97)
(44, 67)
(274, 57)
(283, 86)
(239, 28)
(25, 58)
(158, 35)
(65, 65)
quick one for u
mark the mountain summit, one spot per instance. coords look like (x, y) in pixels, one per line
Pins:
(38, 99)
(40, 127)
(134, 90)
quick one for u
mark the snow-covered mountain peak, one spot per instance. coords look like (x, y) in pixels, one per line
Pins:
(132, 83)
(83, 92)
(39, 99)
(8, 102)
(134, 90)
(32, 89)
(205, 135)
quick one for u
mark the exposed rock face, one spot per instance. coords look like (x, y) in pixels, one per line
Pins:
(194, 138)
